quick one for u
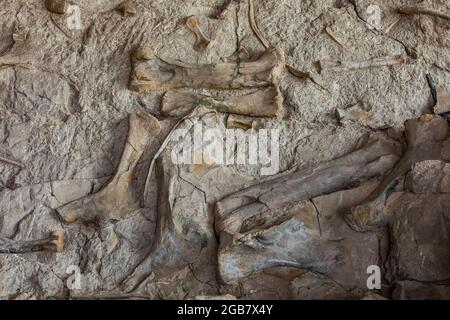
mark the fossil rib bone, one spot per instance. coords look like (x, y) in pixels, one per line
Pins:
(159, 74)
(117, 199)
(427, 139)
(374, 62)
(265, 102)
(201, 42)
(55, 242)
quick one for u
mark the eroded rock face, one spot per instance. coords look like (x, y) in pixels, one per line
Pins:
(76, 145)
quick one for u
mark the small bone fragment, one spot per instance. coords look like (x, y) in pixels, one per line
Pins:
(202, 41)
(335, 37)
(427, 139)
(373, 159)
(338, 65)
(443, 102)
(410, 10)
(225, 10)
(13, 162)
(143, 53)
(19, 37)
(266, 102)
(57, 6)
(53, 243)
(240, 122)
(118, 199)
(127, 9)
(160, 74)
(239, 55)
(352, 114)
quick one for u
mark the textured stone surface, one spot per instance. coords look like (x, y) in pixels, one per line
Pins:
(64, 104)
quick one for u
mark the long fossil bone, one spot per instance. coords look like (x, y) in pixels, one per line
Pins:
(55, 242)
(373, 159)
(265, 102)
(410, 10)
(374, 62)
(427, 138)
(160, 74)
(118, 198)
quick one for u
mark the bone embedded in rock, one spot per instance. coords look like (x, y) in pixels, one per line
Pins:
(143, 53)
(19, 37)
(266, 102)
(161, 74)
(443, 102)
(202, 41)
(119, 198)
(411, 10)
(353, 114)
(376, 155)
(338, 65)
(427, 138)
(240, 122)
(54, 243)
(289, 244)
(127, 9)
(57, 6)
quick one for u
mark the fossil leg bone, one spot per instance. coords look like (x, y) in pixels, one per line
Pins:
(427, 138)
(158, 74)
(55, 242)
(171, 249)
(118, 198)
(338, 65)
(373, 159)
(201, 42)
(265, 102)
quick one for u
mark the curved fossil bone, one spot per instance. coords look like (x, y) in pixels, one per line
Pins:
(118, 198)
(57, 6)
(55, 242)
(158, 74)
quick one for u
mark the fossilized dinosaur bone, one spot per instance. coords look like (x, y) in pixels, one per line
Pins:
(291, 244)
(57, 6)
(160, 74)
(410, 10)
(55, 242)
(171, 250)
(265, 102)
(427, 138)
(374, 62)
(201, 42)
(118, 198)
(373, 159)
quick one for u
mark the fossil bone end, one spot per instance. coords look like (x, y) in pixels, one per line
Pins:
(57, 6)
